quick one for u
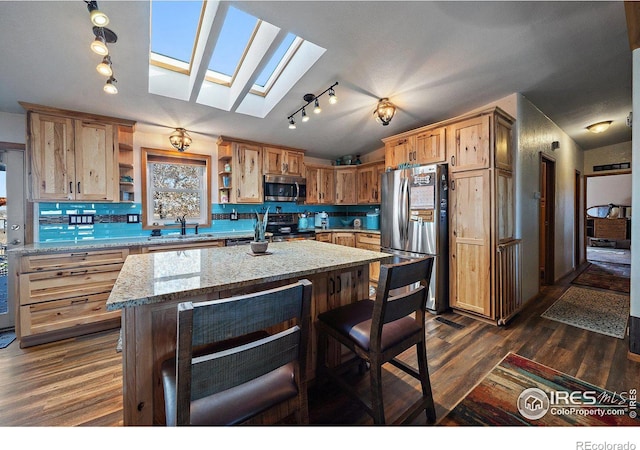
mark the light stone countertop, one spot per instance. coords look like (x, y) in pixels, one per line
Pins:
(163, 276)
(95, 244)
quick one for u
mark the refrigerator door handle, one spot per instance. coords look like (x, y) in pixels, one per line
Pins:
(404, 208)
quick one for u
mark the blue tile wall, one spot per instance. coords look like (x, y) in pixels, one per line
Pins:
(110, 218)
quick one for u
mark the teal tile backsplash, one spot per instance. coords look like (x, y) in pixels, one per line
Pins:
(110, 219)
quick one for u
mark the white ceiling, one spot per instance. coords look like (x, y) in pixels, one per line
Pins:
(434, 60)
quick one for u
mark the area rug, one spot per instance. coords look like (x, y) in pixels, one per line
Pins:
(6, 338)
(603, 275)
(521, 392)
(592, 309)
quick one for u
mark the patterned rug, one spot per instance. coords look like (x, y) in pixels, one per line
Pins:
(521, 392)
(6, 338)
(591, 309)
(604, 275)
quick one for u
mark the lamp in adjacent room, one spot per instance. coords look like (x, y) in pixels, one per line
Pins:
(600, 126)
(384, 112)
(180, 139)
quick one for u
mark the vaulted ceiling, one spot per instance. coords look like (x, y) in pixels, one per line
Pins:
(434, 60)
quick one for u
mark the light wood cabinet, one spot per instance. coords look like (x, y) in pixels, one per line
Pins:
(368, 182)
(63, 295)
(347, 239)
(324, 236)
(247, 173)
(72, 155)
(399, 151)
(346, 179)
(468, 146)
(370, 241)
(430, 147)
(278, 161)
(320, 185)
(125, 163)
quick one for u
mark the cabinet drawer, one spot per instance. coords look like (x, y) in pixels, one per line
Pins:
(64, 314)
(185, 246)
(323, 237)
(53, 261)
(368, 239)
(60, 284)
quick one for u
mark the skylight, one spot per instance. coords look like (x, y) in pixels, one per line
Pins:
(237, 75)
(173, 34)
(236, 33)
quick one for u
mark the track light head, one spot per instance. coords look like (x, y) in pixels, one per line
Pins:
(316, 108)
(104, 68)
(305, 117)
(98, 18)
(292, 124)
(110, 86)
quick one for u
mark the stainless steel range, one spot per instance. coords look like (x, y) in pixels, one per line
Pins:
(284, 227)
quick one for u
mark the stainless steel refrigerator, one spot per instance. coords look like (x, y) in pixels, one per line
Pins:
(413, 223)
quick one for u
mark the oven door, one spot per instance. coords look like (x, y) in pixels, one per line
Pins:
(284, 189)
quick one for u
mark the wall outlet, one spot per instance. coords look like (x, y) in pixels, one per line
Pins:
(233, 215)
(133, 218)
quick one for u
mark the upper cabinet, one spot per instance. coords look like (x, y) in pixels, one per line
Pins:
(417, 147)
(320, 185)
(346, 179)
(368, 182)
(247, 173)
(71, 155)
(278, 161)
(468, 145)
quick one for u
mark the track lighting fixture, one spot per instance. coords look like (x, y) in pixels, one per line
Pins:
(98, 18)
(110, 86)
(103, 36)
(384, 112)
(180, 139)
(309, 98)
(104, 68)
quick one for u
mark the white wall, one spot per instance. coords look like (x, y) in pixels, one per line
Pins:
(635, 201)
(607, 189)
(534, 134)
(611, 154)
(13, 127)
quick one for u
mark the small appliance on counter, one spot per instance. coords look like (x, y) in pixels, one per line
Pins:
(357, 224)
(322, 220)
(373, 220)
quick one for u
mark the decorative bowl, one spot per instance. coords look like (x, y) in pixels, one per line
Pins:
(259, 246)
(346, 222)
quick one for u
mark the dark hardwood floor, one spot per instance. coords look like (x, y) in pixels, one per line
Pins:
(78, 382)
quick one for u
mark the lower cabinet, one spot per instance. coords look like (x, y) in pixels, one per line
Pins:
(63, 295)
(370, 241)
(343, 238)
(184, 246)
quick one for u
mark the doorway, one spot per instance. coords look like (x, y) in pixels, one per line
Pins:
(578, 243)
(12, 223)
(547, 219)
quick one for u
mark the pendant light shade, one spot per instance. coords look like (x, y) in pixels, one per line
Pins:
(180, 139)
(384, 112)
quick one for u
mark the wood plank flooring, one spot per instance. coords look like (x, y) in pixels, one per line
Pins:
(78, 382)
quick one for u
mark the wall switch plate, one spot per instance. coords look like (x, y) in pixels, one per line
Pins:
(133, 218)
(233, 215)
(81, 219)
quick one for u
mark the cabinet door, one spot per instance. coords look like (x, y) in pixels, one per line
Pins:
(247, 173)
(294, 164)
(379, 169)
(470, 144)
(51, 148)
(470, 269)
(327, 187)
(365, 184)
(503, 143)
(399, 151)
(430, 146)
(313, 184)
(346, 239)
(346, 193)
(273, 161)
(95, 161)
(504, 206)
(324, 237)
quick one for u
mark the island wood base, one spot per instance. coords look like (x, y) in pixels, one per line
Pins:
(149, 337)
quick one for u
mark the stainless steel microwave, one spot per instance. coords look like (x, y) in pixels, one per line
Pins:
(283, 188)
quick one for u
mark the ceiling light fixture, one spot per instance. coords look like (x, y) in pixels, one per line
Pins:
(385, 111)
(110, 86)
(104, 68)
(180, 139)
(309, 98)
(600, 126)
(99, 46)
(98, 18)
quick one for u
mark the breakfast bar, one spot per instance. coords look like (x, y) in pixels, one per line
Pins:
(150, 286)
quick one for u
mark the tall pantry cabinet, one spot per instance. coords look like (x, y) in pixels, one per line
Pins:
(484, 254)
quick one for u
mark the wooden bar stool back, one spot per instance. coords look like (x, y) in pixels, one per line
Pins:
(378, 331)
(228, 370)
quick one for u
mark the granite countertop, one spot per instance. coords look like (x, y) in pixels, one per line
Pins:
(351, 229)
(94, 244)
(163, 276)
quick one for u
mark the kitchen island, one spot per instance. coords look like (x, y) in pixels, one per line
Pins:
(150, 286)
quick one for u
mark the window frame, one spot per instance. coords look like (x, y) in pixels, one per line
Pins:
(177, 157)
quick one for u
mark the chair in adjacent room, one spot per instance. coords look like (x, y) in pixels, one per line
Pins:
(378, 331)
(229, 370)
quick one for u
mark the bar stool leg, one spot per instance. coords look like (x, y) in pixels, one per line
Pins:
(425, 382)
(377, 405)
